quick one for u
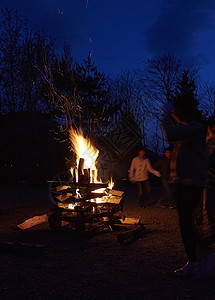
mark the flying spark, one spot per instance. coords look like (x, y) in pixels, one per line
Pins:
(60, 12)
(86, 3)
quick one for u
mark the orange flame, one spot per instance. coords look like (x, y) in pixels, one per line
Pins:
(84, 149)
(110, 184)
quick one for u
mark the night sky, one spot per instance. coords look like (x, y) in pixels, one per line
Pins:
(121, 34)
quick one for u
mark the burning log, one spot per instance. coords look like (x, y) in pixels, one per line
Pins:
(83, 174)
(62, 187)
(91, 186)
(89, 196)
(87, 176)
(93, 176)
(64, 197)
(81, 171)
(85, 187)
(81, 166)
(74, 176)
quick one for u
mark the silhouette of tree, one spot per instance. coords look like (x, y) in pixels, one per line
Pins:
(158, 78)
(186, 86)
(185, 90)
(207, 96)
(23, 55)
(125, 96)
(12, 28)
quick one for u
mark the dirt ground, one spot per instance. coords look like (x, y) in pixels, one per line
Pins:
(94, 268)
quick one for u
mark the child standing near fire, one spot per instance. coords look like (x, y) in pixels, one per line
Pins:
(138, 173)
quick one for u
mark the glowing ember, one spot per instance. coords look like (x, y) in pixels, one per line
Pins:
(99, 191)
(71, 206)
(98, 200)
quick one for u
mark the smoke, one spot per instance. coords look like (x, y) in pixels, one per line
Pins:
(178, 27)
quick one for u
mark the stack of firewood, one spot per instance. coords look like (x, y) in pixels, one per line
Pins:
(81, 206)
(90, 207)
(84, 205)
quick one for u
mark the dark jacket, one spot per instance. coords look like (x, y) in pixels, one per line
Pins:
(189, 157)
(211, 169)
(163, 166)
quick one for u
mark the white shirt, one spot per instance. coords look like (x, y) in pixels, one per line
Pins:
(139, 169)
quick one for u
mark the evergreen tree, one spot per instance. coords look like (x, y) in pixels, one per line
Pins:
(185, 101)
(186, 90)
(24, 54)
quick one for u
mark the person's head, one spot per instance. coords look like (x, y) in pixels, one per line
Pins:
(167, 153)
(141, 151)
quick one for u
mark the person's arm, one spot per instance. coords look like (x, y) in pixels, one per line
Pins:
(180, 132)
(132, 171)
(151, 170)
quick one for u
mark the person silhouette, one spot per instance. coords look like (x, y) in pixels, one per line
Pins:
(185, 128)
(138, 173)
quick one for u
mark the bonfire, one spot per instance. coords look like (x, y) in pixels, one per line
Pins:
(84, 201)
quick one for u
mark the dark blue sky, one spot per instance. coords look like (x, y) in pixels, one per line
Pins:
(123, 33)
